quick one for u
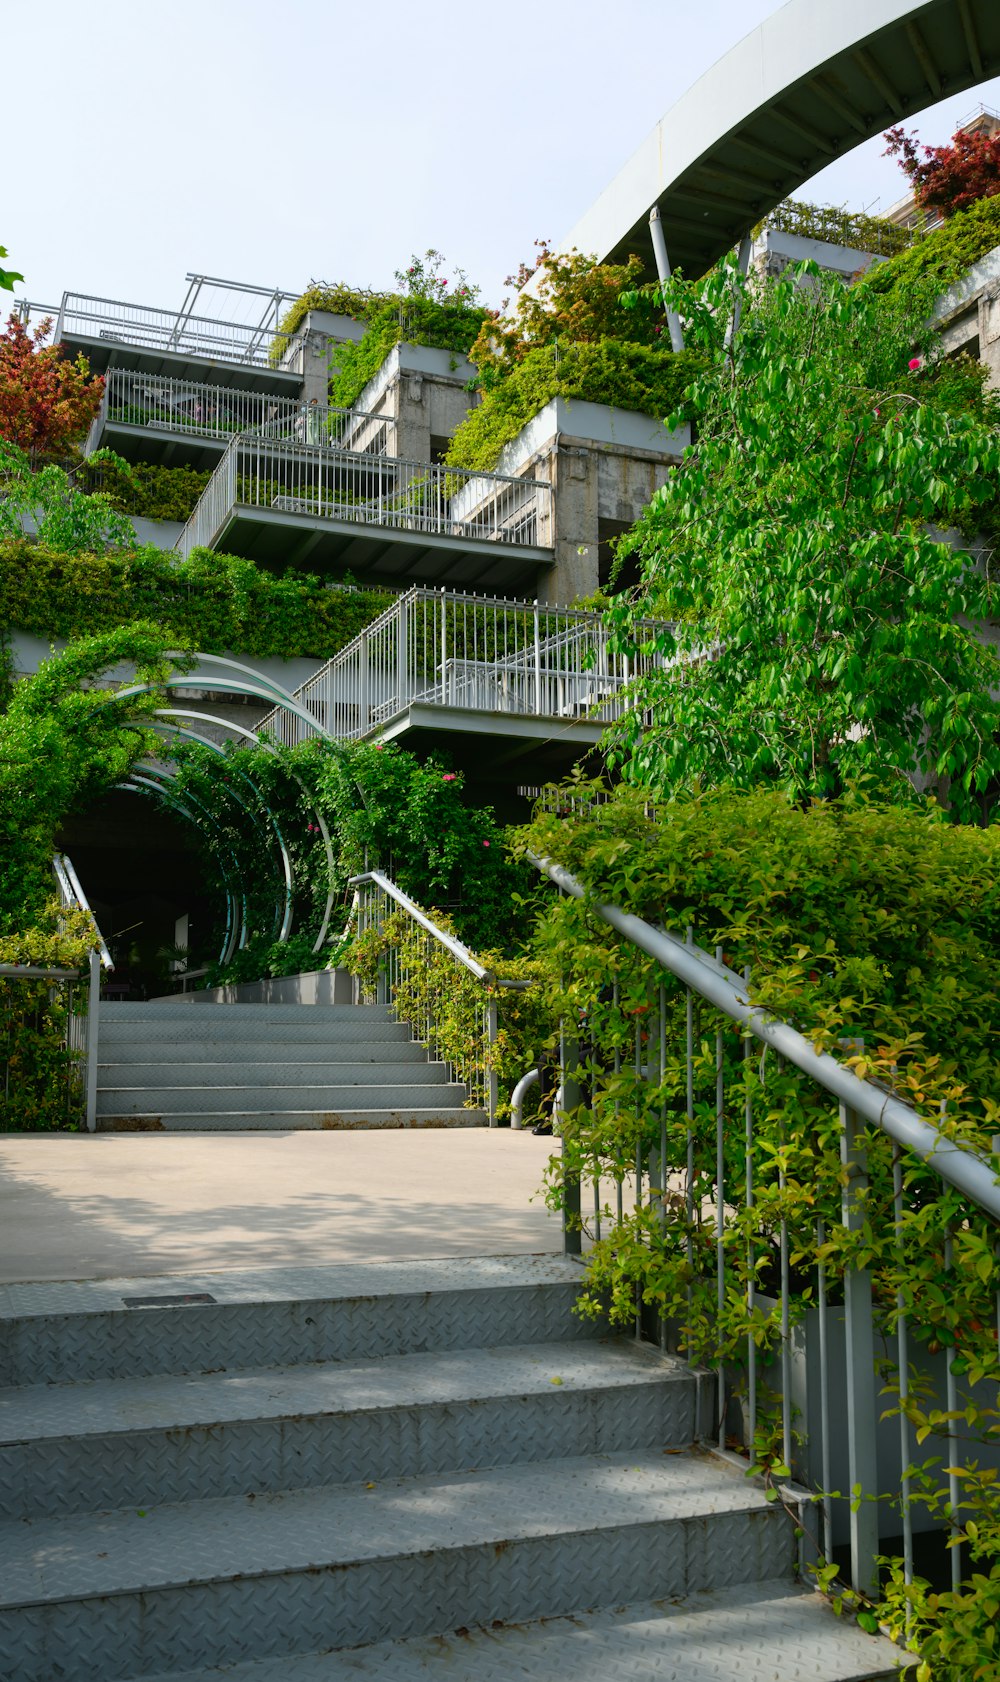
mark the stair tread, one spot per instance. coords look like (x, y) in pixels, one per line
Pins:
(48, 1560)
(281, 1120)
(104, 1406)
(341, 1282)
(760, 1632)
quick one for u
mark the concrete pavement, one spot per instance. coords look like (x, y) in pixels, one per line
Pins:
(130, 1205)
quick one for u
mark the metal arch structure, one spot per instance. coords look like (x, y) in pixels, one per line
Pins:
(158, 780)
(283, 914)
(241, 730)
(802, 89)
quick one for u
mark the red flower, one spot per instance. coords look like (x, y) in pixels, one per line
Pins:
(913, 363)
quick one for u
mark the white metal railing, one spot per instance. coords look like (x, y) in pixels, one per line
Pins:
(213, 411)
(81, 996)
(479, 653)
(362, 488)
(695, 1164)
(164, 330)
(412, 978)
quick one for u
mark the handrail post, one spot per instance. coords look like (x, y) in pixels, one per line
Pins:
(860, 1368)
(93, 1008)
(572, 1095)
(493, 1083)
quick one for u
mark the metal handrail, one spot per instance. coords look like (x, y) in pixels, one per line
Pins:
(358, 488)
(196, 409)
(697, 969)
(671, 1191)
(444, 648)
(152, 328)
(475, 1070)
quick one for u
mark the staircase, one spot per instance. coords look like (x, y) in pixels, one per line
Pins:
(175, 1066)
(433, 1471)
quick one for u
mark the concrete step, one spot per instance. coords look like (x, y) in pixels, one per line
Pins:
(755, 1632)
(240, 1032)
(78, 1447)
(182, 1010)
(289, 1121)
(216, 1582)
(399, 1049)
(275, 1096)
(283, 1317)
(278, 1072)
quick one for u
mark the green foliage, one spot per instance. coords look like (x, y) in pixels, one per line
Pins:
(382, 807)
(833, 225)
(142, 488)
(433, 987)
(626, 375)
(942, 257)
(8, 276)
(63, 742)
(856, 921)
(816, 635)
(414, 321)
(41, 1076)
(63, 516)
(337, 299)
(215, 603)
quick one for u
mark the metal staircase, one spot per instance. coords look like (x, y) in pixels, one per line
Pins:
(423, 1471)
(175, 1066)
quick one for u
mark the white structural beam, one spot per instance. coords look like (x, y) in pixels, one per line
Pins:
(801, 89)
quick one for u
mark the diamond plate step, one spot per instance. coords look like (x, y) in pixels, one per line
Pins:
(188, 1012)
(73, 1448)
(279, 1317)
(762, 1632)
(278, 1072)
(285, 1120)
(203, 1029)
(229, 1580)
(343, 1049)
(293, 1094)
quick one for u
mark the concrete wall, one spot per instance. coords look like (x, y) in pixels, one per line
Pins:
(319, 987)
(425, 390)
(969, 314)
(773, 251)
(312, 350)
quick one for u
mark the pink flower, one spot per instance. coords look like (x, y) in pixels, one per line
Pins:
(485, 843)
(449, 777)
(379, 746)
(913, 363)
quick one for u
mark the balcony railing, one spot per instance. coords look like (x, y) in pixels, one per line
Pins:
(443, 649)
(367, 489)
(212, 411)
(164, 330)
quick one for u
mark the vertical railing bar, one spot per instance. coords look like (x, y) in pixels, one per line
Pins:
(720, 1207)
(751, 1247)
(785, 1311)
(662, 1037)
(689, 1095)
(903, 1357)
(826, 1475)
(637, 1049)
(954, 1494)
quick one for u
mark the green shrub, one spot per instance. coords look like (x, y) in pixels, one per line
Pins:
(338, 300)
(210, 602)
(144, 489)
(40, 1075)
(415, 321)
(944, 255)
(624, 375)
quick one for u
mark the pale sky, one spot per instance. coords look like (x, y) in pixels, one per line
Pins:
(275, 143)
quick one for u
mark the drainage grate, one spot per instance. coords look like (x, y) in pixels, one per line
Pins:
(168, 1302)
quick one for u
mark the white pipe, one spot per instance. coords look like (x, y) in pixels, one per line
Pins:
(517, 1098)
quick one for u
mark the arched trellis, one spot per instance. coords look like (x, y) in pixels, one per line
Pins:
(253, 684)
(155, 777)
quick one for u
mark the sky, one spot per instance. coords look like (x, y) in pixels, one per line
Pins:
(279, 143)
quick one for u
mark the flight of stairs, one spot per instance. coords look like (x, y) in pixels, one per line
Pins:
(175, 1066)
(396, 1472)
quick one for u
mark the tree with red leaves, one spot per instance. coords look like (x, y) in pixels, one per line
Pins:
(949, 178)
(46, 402)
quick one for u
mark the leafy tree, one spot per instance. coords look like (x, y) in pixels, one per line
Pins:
(68, 520)
(952, 177)
(8, 276)
(821, 629)
(46, 402)
(63, 742)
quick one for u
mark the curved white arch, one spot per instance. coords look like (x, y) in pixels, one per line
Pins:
(804, 87)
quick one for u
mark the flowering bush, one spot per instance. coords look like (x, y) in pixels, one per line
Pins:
(948, 178)
(46, 402)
